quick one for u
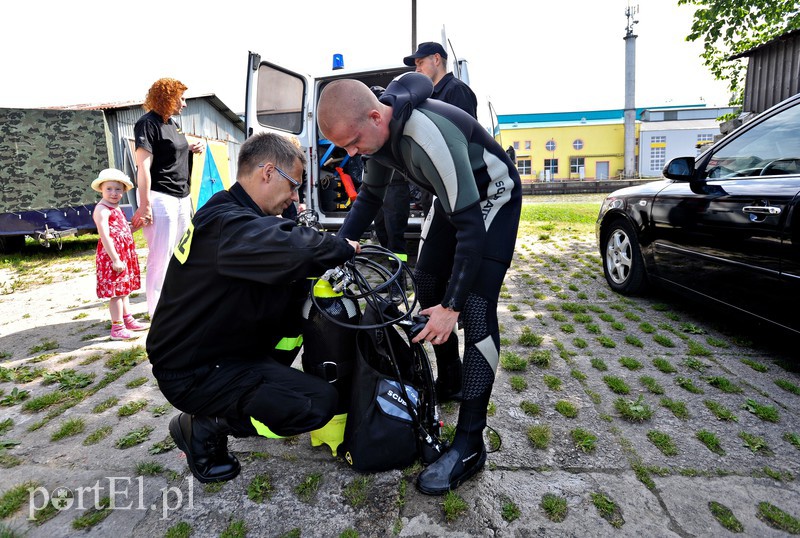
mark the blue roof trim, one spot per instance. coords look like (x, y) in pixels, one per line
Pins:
(588, 115)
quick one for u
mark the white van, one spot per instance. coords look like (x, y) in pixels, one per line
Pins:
(282, 101)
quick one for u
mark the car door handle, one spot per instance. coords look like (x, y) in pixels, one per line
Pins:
(761, 210)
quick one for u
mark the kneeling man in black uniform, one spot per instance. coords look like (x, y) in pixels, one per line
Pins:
(227, 326)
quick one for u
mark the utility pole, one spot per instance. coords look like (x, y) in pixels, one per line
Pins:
(630, 93)
(413, 26)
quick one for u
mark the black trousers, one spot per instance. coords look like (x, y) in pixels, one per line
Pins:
(392, 218)
(286, 400)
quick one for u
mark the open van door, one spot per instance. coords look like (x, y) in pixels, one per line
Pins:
(282, 101)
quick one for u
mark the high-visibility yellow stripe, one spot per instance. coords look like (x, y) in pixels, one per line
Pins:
(184, 245)
(263, 431)
(288, 343)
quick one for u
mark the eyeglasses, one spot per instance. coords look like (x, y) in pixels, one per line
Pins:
(296, 185)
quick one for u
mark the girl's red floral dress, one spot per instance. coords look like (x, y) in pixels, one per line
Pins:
(109, 282)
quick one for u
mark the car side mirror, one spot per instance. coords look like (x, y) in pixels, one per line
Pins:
(680, 169)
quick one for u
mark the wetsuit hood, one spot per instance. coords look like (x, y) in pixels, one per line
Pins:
(404, 94)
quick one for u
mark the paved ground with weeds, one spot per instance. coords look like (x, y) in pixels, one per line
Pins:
(617, 417)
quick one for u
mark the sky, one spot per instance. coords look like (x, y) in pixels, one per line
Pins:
(524, 56)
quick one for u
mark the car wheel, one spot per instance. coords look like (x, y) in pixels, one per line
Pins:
(622, 259)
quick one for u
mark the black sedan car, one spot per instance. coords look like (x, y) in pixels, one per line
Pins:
(723, 227)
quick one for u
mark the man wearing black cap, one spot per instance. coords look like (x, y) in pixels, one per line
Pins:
(431, 60)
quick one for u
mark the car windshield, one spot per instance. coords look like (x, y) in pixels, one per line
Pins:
(770, 148)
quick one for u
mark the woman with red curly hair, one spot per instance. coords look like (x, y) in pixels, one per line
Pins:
(164, 166)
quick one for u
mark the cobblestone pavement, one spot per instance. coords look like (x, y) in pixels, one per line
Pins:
(577, 360)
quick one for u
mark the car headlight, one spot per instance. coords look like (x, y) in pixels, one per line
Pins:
(611, 202)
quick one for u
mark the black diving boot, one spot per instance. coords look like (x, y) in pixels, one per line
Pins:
(204, 440)
(465, 457)
(450, 372)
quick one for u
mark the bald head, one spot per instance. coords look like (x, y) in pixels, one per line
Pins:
(346, 104)
(350, 116)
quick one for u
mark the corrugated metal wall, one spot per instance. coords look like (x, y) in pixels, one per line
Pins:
(773, 73)
(199, 118)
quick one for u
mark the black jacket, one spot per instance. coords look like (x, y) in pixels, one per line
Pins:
(236, 284)
(456, 92)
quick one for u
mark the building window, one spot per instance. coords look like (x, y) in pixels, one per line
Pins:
(575, 164)
(658, 158)
(527, 144)
(516, 144)
(577, 143)
(552, 166)
(524, 167)
(550, 145)
(703, 140)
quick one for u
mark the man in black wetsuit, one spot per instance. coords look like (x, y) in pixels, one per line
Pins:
(469, 241)
(227, 326)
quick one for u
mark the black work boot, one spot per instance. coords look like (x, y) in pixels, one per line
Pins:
(465, 457)
(204, 440)
(450, 372)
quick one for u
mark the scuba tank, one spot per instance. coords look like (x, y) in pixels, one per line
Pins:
(329, 349)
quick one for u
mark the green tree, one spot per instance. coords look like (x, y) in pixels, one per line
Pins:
(730, 27)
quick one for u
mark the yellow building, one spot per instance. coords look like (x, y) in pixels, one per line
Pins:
(562, 146)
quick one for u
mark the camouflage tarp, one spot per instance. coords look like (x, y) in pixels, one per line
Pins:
(48, 158)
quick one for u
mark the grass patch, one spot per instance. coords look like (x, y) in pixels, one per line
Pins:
(711, 441)
(554, 507)
(633, 340)
(651, 384)
(599, 364)
(663, 442)
(97, 436)
(12, 500)
(509, 510)
(793, 439)
(630, 363)
(68, 379)
(14, 397)
(529, 408)
(698, 350)
(568, 409)
(663, 340)
(539, 435)
(529, 339)
(677, 407)
(73, 426)
(577, 374)
(755, 443)
(105, 405)
(687, 384)
(138, 382)
(512, 362)
(788, 386)
(94, 515)
(720, 411)
(725, 517)
(552, 382)
(235, 529)
(695, 364)
(518, 383)
(134, 437)
(260, 488)
(307, 489)
(777, 518)
(664, 366)
(634, 411)
(608, 509)
(454, 506)
(355, 493)
(757, 366)
(764, 412)
(605, 341)
(724, 384)
(584, 439)
(616, 384)
(131, 408)
(179, 530)
(541, 358)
